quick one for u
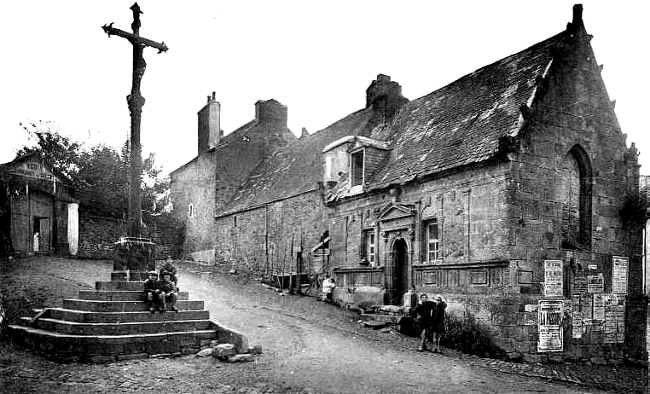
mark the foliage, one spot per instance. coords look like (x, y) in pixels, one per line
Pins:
(468, 335)
(635, 208)
(60, 151)
(99, 174)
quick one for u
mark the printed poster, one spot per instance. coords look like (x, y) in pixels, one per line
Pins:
(619, 274)
(550, 313)
(579, 285)
(614, 328)
(553, 276)
(576, 327)
(576, 317)
(599, 307)
(595, 283)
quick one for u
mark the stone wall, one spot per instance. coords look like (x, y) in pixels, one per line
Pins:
(263, 239)
(97, 236)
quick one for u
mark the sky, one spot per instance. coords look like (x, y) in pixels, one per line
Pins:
(315, 57)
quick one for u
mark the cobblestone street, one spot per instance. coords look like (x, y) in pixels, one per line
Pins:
(308, 347)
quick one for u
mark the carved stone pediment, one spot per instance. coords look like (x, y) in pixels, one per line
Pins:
(397, 216)
(396, 211)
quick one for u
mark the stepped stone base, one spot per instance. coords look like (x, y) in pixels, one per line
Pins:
(113, 323)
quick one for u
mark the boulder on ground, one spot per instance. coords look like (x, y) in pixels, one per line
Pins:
(224, 351)
(241, 358)
(205, 352)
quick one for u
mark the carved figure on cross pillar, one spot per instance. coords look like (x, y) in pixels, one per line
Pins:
(135, 102)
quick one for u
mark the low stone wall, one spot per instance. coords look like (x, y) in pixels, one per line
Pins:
(97, 237)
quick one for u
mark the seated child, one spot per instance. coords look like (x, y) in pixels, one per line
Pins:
(168, 267)
(168, 290)
(151, 291)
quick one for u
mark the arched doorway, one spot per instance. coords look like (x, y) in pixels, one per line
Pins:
(398, 281)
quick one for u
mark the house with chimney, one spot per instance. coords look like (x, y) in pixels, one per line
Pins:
(511, 191)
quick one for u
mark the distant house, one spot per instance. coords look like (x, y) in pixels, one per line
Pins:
(37, 212)
(503, 191)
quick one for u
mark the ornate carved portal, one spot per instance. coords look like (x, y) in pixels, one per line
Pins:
(397, 227)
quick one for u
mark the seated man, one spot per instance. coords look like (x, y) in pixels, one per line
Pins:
(168, 292)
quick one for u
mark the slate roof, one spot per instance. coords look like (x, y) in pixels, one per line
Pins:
(456, 125)
(295, 168)
(462, 122)
(224, 142)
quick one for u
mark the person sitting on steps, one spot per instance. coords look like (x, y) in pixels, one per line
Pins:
(152, 292)
(168, 292)
(168, 267)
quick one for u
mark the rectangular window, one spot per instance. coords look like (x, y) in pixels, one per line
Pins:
(356, 170)
(371, 247)
(433, 241)
(190, 210)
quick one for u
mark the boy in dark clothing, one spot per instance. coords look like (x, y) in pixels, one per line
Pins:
(168, 292)
(438, 325)
(152, 292)
(425, 318)
(168, 267)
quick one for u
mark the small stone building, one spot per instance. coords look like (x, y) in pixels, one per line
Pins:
(37, 212)
(511, 191)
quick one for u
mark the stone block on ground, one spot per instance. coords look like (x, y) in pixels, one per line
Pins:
(224, 351)
(205, 352)
(240, 358)
(257, 349)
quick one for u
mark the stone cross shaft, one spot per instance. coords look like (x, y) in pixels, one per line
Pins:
(135, 101)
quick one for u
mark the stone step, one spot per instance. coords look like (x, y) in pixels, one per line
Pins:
(74, 328)
(120, 295)
(109, 348)
(129, 275)
(119, 285)
(125, 317)
(122, 306)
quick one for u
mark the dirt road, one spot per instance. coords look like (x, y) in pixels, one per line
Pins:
(309, 347)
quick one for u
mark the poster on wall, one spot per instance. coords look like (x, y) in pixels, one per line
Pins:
(595, 283)
(614, 328)
(553, 275)
(549, 320)
(619, 274)
(599, 307)
(579, 285)
(576, 317)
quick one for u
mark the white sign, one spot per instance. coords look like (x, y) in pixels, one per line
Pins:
(553, 278)
(549, 320)
(619, 274)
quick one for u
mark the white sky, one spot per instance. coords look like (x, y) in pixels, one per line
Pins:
(316, 57)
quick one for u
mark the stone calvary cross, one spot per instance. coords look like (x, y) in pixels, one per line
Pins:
(135, 101)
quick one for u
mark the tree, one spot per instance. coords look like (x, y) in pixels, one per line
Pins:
(61, 152)
(98, 174)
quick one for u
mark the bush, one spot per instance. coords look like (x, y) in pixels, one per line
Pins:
(468, 335)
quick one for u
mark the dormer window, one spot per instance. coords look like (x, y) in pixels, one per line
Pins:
(356, 168)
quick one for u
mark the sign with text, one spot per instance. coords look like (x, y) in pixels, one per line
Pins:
(595, 283)
(553, 278)
(549, 320)
(619, 274)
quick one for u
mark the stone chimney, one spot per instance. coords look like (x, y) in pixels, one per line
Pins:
(209, 125)
(576, 23)
(385, 96)
(271, 112)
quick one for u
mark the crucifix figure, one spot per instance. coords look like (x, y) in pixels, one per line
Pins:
(135, 101)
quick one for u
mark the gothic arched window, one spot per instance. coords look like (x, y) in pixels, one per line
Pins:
(575, 199)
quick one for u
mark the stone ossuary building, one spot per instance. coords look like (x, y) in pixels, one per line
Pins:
(511, 191)
(37, 212)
